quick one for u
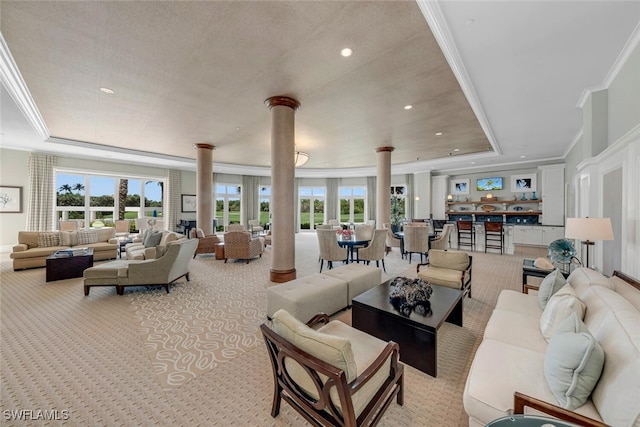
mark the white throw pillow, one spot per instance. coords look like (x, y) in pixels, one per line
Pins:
(549, 286)
(560, 306)
(573, 363)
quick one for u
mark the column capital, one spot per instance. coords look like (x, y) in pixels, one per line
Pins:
(381, 149)
(282, 100)
(206, 146)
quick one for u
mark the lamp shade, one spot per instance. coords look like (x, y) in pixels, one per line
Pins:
(588, 229)
(300, 158)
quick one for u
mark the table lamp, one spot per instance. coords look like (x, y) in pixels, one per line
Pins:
(589, 231)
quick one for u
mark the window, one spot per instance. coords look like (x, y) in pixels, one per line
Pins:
(311, 207)
(352, 204)
(265, 205)
(82, 197)
(228, 202)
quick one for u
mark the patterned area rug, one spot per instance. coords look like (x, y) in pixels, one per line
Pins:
(200, 324)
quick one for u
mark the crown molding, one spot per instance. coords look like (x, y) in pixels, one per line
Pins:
(632, 42)
(14, 83)
(438, 24)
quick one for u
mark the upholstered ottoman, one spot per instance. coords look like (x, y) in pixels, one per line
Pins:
(359, 278)
(105, 274)
(308, 296)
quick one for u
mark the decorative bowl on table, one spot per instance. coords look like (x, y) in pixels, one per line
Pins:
(488, 208)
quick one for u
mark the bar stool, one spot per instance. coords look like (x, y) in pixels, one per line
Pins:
(466, 234)
(494, 236)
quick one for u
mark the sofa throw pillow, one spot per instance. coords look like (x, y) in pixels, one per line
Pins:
(87, 236)
(152, 239)
(561, 305)
(68, 238)
(549, 286)
(572, 365)
(47, 240)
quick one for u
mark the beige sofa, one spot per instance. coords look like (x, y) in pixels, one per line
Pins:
(163, 271)
(34, 247)
(514, 355)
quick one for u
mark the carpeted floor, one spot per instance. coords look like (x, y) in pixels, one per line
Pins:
(196, 356)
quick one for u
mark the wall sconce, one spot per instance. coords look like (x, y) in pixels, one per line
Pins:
(300, 158)
(417, 198)
(450, 198)
(489, 196)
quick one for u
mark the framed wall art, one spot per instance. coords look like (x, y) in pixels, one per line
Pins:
(189, 203)
(523, 183)
(10, 199)
(460, 186)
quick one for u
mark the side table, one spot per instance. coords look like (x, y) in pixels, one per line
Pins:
(220, 250)
(528, 269)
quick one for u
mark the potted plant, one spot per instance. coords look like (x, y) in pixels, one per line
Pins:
(396, 213)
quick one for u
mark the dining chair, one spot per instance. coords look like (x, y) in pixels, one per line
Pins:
(442, 241)
(375, 250)
(330, 250)
(416, 240)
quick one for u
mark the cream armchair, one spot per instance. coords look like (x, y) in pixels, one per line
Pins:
(162, 271)
(336, 375)
(240, 245)
(448, 268)
(255, 227)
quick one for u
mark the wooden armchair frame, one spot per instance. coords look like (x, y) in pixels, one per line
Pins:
(322, 411)
(521, 400)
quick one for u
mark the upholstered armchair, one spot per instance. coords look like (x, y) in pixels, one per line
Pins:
(447, 268)
(255, 227)
(240, 245)
(206, 243)
(335, 375)
(235, 227)
(68, 225)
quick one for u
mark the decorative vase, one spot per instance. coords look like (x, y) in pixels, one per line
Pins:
(533, 196)
(524, 196)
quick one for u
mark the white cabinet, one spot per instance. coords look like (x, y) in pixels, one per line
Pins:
(527, 235)
(536, 235)
(552, 194)
(549, 234)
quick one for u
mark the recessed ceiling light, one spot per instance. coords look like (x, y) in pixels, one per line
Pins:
(456, 149)
(408, 107)
(473, 163)
(106, 90)
(346, 52)
(438, 133)
(523, 156)
(469, 21)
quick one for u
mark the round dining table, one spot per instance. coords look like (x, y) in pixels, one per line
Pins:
(352, 246)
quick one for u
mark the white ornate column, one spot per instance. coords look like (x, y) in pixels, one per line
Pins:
(204, 187)
(383, 195)
(283, 252)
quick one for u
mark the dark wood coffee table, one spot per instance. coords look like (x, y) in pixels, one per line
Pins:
(417, 334)
(67, 267)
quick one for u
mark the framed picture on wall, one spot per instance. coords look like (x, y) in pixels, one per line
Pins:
(460, 186)
(523, 183)
(10, 199)
(189, 203)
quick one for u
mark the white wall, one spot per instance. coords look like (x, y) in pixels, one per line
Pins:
(13, 173)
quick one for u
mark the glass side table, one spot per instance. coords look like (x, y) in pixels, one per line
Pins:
(529, 421)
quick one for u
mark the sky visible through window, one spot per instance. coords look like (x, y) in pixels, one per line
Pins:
(104, 186)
